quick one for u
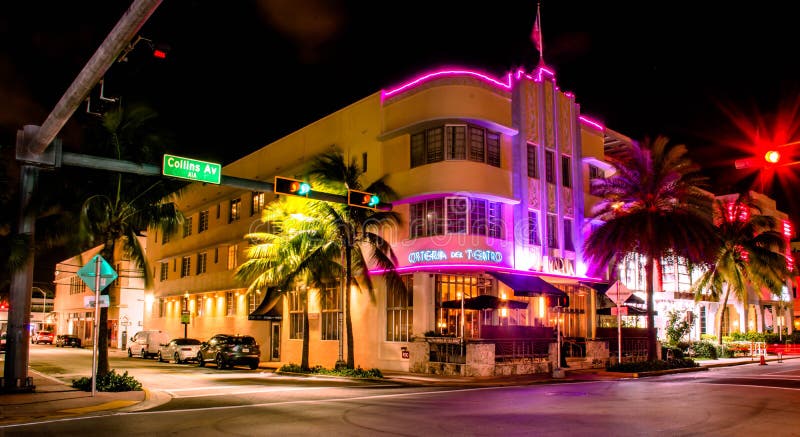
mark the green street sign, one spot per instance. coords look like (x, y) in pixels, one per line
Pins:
(192, 169)
(88, 273)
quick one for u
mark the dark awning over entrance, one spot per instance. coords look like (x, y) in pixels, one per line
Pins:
(527, 285)
(484, 302)
(267, 310)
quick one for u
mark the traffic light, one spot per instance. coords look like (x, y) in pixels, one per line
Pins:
(772, 156)
(362, 199)
(293, 187)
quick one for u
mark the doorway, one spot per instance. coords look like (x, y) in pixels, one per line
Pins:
(275, 342)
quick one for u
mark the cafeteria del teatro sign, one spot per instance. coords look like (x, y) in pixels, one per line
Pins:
(440, 255)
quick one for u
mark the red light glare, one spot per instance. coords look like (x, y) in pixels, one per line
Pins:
(772, 156)
(160, 54)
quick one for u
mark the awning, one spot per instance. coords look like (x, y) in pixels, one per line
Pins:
(600, 287)
(528, 285)
(484, 302)
(267, 310)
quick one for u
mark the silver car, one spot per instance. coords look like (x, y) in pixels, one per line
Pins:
(179, 350)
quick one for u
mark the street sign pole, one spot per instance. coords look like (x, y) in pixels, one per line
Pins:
(97, 263)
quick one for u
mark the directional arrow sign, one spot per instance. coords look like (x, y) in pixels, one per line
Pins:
(192, 169)
(107, 273)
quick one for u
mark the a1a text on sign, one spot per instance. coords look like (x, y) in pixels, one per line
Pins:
(192, 169)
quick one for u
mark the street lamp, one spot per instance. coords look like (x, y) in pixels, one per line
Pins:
(44, 302)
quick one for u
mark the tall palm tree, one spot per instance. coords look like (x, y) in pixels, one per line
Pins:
(126, 206)
(357, 230)
(750, 253)
(292, 252)
(653, 206)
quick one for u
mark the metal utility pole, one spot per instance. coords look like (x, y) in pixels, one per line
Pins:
(32, 153)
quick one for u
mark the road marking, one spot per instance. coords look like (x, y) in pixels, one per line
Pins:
(247, 391)
(102, 407)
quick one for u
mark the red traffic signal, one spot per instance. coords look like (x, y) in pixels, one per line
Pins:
(290, 186)
(772, 156)
(362, 199)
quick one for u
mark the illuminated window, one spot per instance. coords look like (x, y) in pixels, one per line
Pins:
(533, 170)
(459, 215)
(495, 219)
(456, 215)
(252, 301)
(493, 148)
(400, 311)
(235, 210)
(230, 304)
(161, 307)
(201, 262)
(455, 142)
(477, 216)
(257, 203)
(330, 312)
(552, 229)
(186, 266)
(295, 316)
(233, 251)
(187, 226)
(164, 267)
(453, 288)
(533, 228)
(202, 222)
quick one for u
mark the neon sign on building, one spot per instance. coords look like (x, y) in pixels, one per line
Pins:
(480, 255)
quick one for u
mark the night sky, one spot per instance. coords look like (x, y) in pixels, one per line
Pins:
(242, 74)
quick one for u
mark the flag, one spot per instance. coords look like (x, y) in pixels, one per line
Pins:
(536, 35)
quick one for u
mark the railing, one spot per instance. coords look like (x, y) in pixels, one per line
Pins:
(633, 348)
(509, 350)
(574, 348)
(447, 350)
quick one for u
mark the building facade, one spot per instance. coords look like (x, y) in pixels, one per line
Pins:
(492, 176)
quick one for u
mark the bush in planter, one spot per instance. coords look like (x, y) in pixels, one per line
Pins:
(111, 381)
(705, 349)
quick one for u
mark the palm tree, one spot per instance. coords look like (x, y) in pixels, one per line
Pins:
(292, 252)
(749, 253)
(356, 231)
(653, 206)
(126, 206)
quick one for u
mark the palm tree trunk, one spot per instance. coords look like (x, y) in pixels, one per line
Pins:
(722, 314)
(348, 320)
(304, 359)
(651, 321)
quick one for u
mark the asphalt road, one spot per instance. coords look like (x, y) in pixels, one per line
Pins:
(740, 400)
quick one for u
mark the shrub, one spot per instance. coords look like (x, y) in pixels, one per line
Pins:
(111, 381)
(677, 326)
(358, 372)
(705, 349)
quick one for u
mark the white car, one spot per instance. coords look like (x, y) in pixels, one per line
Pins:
(179, 350)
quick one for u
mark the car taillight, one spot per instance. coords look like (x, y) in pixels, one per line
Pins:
(186, 348)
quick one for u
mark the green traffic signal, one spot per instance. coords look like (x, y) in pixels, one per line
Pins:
(362, 199)
(290, 186)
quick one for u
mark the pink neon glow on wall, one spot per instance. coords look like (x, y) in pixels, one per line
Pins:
(446, 73)
(592, 123)
(471, 267)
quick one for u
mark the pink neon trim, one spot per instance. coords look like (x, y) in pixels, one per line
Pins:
(430, 267)
(449, 72)
(592, 123)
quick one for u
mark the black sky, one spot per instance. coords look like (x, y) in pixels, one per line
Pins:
(241, 74)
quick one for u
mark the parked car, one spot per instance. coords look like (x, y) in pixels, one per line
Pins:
(180, 350)
(230, 350)
(64, 340)
(3, 342)
(147, 343)
(42, 337)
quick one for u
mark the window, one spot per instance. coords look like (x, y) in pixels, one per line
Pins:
(201, 262)
(218, 209)
(533, 228)
(253, 301)
(549, 166)
(187, 226)
(295, 316)
(235, 210)
(230, 304)
(703, 320)
(568, 243)
(258, 203)
(552, 229)
(161, 307)
(216, 255)
(455, 142)
(186, 266)
(364, 162)
(233, 250)
(595, 172)
(400, 311)
(164, 267)
(165, 238)
(202, 222)
(330, 312)
(456, 215)
(76, 285)
(566, 174)
(453, 288)
(533, 170)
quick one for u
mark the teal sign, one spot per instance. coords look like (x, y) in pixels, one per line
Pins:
(89, 273)
(191, 169)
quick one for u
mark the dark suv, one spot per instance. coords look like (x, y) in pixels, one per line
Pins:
(230, 350)
(64, 340)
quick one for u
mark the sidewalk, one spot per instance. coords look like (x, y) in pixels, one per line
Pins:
(53, 399)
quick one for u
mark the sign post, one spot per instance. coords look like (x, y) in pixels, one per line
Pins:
(185, 319)
(98, 275)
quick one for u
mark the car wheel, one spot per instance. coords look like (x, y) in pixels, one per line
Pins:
(254, 365)
(130, 353)
(177, 358)
(200, 361)
(144, 353)
(220, 361)
(160, 358)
